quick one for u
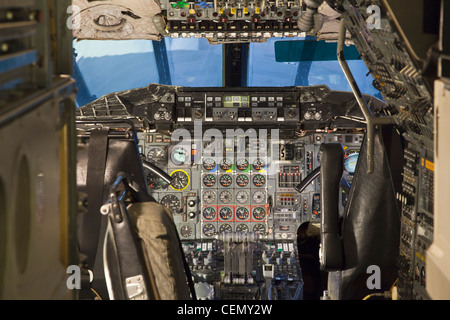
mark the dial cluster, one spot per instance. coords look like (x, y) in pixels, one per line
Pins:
(234, 195)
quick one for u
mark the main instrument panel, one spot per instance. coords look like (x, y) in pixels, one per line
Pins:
(238, 191)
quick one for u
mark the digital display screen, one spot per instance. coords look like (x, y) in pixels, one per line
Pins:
(236, 101)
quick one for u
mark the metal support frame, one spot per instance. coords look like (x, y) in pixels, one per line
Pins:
(235, 64)
(371, 121)
(162, 61)
(304, 65)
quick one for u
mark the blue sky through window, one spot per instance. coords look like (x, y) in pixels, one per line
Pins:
(103, 67)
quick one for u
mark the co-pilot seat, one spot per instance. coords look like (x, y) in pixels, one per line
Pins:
(360, 248)
(127, 240)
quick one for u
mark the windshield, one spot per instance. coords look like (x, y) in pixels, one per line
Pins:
(102, 67)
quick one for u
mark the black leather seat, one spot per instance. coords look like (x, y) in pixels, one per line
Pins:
(111, 176)
(369, 232)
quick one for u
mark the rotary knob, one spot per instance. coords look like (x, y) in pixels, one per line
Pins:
(307, 115)
(167, 115)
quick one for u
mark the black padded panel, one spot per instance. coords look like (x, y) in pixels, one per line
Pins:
(371, 225)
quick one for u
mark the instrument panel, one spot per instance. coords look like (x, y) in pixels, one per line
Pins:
(246, 151)
(242, 191)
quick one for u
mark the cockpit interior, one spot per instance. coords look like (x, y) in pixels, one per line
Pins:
(242, 150)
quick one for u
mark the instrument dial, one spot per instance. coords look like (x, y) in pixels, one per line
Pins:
(242, 196)
(226, 196)
(209, 164)
(209, 197)
(350, 161)
(157, 156)
(209, 180)
(226, 213)
(180, 180)
(258, 213)
(242, 228)
(225, 228)
(209, 229)
(225, 180)
(242, 164)
(259, 180)
(258, 164)
(179, 156)
(242, 213)
(209, 213)
(186, 231)
(242, 180)
(226, 164)
(259, 228)
(171, 202)
(259, 196)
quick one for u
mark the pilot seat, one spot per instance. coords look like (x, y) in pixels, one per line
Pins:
(128, 243)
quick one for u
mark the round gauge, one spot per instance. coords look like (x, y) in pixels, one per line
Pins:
(209, 164)
(180, 180)
(209, 229)
(225, 228)
(179, 156)
(242, 228)
(209, 196)
(242, 213)
(226, 197)
(171, 202)
(259, 180)
(225, 180)
(209, 180)
(226, 213)
(258, 164)
(258, 213)
(242, 180)
(157, 155)
(209, 213)
(350, 160)
(226, 164)
(259, 228)
(186, 231)
(242, 164)
(154, 182)
(242, 196)
(259, 196)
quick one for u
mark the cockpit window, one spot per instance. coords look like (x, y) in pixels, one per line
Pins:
(194, 62)
(103, 67)
(264, 70)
